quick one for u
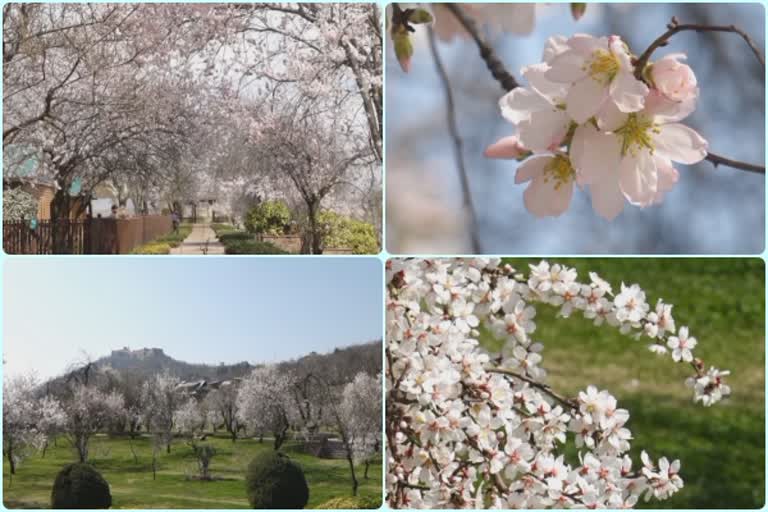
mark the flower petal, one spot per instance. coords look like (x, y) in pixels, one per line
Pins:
(628, 92)
(543, 199)
(517, 105)
(584, 99)
(567, 68)
(664, 110)
(607, 198)
(554, 92)
(667, 177)
(595, 155)
(680, 143)
(610, 118)
(545, 130)
(638, 178)
(531, 168)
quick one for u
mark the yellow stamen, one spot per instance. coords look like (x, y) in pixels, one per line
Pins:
(560, 171)
(604, 66)
(637, 134)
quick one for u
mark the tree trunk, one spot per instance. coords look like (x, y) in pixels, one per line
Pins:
(133, 451)
(60, 207)
(167, 447)
(316, 236)
(280, 438)
(352, 471)
(11, 460)
(367, 466)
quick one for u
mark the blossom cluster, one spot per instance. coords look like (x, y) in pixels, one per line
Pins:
(469, 429)
(589, 117)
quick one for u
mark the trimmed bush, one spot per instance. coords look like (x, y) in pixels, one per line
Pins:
(340, 231)
(234, 236)
(269, 218)
(251, 247)
(274, 481)
(351, 503)
(80, 486)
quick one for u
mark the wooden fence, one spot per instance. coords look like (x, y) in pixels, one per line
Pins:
(88, 236)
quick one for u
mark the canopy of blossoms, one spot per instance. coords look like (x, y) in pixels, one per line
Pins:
(469, 429)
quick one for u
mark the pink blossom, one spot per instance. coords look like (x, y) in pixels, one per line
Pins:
(674, 79)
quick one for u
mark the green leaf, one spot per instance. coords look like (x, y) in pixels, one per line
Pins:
(419, 16)
(578, 9)
(403, 49)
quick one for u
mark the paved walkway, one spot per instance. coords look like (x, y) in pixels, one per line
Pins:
(202, 240)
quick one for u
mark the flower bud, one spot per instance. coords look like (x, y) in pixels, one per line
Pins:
(578, 9)
(674, 79)
(507, 147)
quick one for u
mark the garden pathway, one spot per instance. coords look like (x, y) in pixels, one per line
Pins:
(202, 240)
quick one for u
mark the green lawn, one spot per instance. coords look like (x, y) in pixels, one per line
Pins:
(133, 487)
(722, 448)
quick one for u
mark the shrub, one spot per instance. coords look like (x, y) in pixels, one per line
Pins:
(80, 486)
(251, 247)
(204, 454)
(220, 228)
(234, 236)
(269, 218)
(345, 232)
(152, 248)
(274, 481)
(351, 503)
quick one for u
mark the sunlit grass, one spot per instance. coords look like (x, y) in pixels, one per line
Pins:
(133, 486)
(722, 448)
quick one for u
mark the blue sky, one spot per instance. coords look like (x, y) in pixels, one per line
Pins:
(197, 309)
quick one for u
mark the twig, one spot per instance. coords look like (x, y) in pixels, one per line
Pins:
(736, 164)
(538, 385)
(457, 144)
(495, 66)
(674, 27)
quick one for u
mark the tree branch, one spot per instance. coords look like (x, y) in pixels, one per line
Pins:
(497, 69)
(718, 160)
(674, 27)
(568, 402)
(457, 144)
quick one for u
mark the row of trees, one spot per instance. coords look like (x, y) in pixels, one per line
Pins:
(167, 103)
(271, 402)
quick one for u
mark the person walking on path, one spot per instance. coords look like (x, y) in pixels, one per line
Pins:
(175, 221)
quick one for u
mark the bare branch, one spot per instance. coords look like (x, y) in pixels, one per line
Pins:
(497, 69)
(457, 144)
(674, 27)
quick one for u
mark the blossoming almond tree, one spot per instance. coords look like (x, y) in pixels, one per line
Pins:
(27, 419)
(265, 402)
(469, 429)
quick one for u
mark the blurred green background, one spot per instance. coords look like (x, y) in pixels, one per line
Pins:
(721, 448)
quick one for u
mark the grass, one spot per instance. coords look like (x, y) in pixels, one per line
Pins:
(132, 485)
(722, 448)
(236, 241)
(165, 243)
